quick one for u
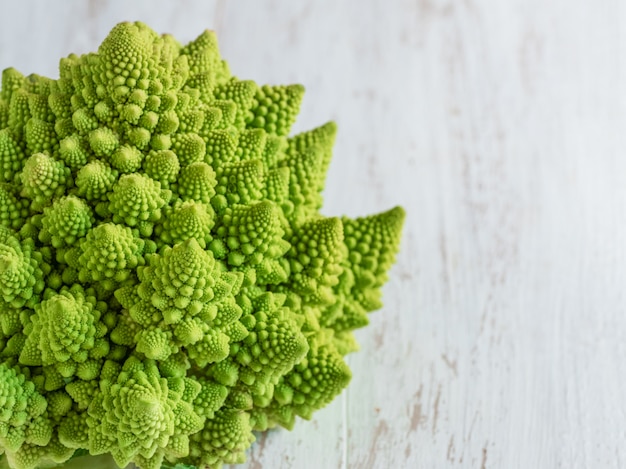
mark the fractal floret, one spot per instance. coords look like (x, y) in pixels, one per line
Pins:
(168, 285)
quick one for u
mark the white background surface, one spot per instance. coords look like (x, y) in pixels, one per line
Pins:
(499, 126)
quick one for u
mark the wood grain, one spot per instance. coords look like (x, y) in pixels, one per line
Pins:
(499, 126)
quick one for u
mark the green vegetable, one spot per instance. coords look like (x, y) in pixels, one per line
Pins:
(167, 283)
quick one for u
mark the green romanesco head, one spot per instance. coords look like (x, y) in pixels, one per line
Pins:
(167, 282)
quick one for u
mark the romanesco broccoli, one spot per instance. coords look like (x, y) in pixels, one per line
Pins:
(167, 283)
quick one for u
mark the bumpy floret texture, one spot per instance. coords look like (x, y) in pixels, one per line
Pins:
(167, 283)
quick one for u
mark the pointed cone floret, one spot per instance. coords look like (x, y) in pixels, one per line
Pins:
(275, 108)
(323, 137)
(374, 241)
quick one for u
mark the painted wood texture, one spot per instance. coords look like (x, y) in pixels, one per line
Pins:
(499, 126)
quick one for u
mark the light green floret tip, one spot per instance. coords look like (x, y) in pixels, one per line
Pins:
(197, 182)
(103, 141)
(312, 384)
(67, 334)
(143, 417)
(125, 56)
(314, 258)
(273, 346)
(183, 301)
(189, 147)
(187, 220)
(179, 280)
(23, 420)
(136, 198)
(13, 210)
(11, 156)
(95, 180)
(126, 159)
(109, 255)
(224, 440)
(221, 146)
(275, 108)
(73, 151)
(21, 273)
(40, 136)
(239, 183)
(322, 137)
(372, 244)
(44, 178)
(168, 284)
(67, 220)
(162, 166)
(252, 236)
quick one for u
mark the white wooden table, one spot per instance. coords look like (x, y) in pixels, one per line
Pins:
(500, 126)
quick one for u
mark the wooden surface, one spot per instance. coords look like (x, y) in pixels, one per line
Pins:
(500, 127)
